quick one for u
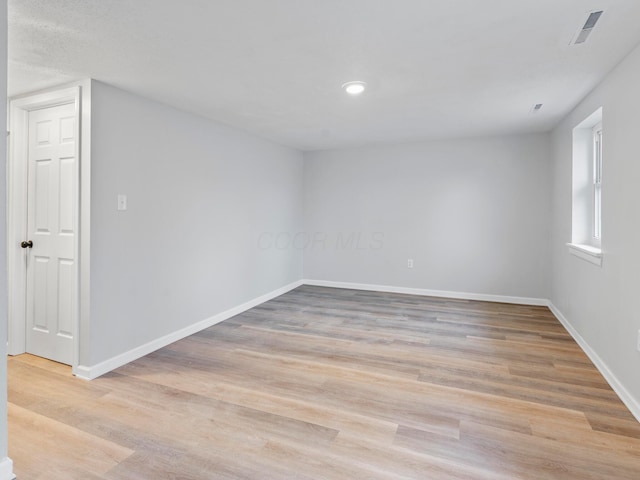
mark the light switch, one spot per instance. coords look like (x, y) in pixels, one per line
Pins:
(122, 202)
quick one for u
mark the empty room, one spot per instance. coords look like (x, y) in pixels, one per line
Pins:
(320, 239)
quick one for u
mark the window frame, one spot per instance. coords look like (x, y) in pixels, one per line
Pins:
(596, 229)
(586, 189)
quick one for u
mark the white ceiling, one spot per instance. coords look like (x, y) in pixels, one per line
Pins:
(275, 68)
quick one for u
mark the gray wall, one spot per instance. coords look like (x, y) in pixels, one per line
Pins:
(473, 215)
(3, 232)
(601, 302)
(200, 195)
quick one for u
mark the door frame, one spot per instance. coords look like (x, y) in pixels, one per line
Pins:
(78, 93)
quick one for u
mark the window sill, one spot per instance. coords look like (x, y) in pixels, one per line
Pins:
(586, 252)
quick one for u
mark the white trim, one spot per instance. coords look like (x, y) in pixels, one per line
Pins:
(632, 403)
(6, 469)
(84, 219)
(586, 252)
(430, 293)
(89, 373)
(16, 227)
(94, 371)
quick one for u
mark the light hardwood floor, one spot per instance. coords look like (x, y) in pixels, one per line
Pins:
(334, 384)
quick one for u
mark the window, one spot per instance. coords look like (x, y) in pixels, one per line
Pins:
(597, 183)
(586, 227)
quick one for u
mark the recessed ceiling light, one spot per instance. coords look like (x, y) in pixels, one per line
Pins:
(354, 88)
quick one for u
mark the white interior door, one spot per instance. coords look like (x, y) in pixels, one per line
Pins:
(52, 209)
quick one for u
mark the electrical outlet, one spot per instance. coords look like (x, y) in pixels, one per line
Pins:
(410, 263)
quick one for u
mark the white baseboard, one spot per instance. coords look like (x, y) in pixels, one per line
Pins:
(94, 371)
(632, 403)
(91, 372)
(6, 469)
(430, 293)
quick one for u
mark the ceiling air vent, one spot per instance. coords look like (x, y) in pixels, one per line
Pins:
(589, 25)
(536, 108)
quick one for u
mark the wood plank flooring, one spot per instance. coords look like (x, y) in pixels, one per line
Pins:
(325, 383)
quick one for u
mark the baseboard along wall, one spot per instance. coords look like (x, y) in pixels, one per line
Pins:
(629, 400)
(429, 293)
(94, 371)
(91, 372)
(6, 469)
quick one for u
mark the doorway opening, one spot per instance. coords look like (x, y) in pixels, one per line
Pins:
(47, 222)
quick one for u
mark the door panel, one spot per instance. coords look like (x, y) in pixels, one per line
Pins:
(51, 215)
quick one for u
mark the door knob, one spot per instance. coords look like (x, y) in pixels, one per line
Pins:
(28, 244)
